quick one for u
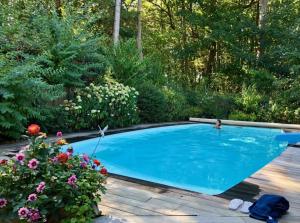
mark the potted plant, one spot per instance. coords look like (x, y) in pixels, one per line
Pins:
(43, 184)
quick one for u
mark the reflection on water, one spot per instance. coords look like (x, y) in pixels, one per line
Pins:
(244, 140)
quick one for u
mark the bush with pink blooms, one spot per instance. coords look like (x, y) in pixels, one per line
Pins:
(43, 184)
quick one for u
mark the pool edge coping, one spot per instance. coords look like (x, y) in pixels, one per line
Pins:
(247, 123)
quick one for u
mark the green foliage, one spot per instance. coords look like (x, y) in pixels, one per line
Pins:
(200, 58)
(111, 103)
(176, 104)
(23, 96)
(262, 80)
(249, 99)
(126, 65)
(65, 187)
(152, 104)
(218, 106)
(69, 55)
(241, 116)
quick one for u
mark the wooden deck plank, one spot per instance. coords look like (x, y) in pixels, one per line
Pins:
(135, 202)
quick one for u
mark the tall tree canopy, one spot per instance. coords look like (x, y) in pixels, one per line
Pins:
(216, 58)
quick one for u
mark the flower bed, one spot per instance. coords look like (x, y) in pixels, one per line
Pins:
(43, 184)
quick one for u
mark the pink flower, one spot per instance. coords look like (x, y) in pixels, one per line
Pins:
(33, 163)
(3, 202)
(34, 215)
(72, 180)
(41, 187)
(24, 148)
(86, 158)
(32, 197)
(83, 165)
(54, 160)
(20, 157)
(59, 134)
(23, 212)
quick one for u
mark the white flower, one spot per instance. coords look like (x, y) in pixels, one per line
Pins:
(67, 108)
(89, 96)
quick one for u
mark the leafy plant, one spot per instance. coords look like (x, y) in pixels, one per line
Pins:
(112, 103)
(69, 55)
(23, 96)
(241, 116)
(176, 103)
(250, 99)
(152, 104)
(43, 184)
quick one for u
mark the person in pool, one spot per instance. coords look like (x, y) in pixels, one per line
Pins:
(218, 124)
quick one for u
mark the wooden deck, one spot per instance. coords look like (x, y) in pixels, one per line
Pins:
(137, 203)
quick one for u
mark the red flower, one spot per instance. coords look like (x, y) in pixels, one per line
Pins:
(3, 162)
(97, 162)
(33, 129)
(61, 142)
(103, 171)
(62, 157)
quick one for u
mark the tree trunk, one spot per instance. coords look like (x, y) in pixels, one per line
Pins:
(58, 6)
(116, 32)
(263, 6)
(262, 12)
(211, 59)
(139, 29)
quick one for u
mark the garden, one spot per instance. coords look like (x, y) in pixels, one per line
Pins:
(70, 66)
(44, 184)
(60, 68)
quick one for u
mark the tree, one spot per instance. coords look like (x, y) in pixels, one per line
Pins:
(116, 32)
(139, 29)
(262, 12)
(58, 6)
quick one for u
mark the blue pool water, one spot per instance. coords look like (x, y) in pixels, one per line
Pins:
(195, 157)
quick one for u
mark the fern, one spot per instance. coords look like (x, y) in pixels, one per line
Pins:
(23, 97)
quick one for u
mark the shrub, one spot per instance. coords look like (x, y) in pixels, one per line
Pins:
(261, 79)
(176, 104)
(152, 104)
(240, 116)
(43, 184)
(111, 103)
(23, 97)
(69, 55)
(217, 106)
(126, 66)
(250, 100)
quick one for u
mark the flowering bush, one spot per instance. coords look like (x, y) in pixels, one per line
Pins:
(112, 103)
(43, 184)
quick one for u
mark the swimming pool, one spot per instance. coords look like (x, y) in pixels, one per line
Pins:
(195, 157)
